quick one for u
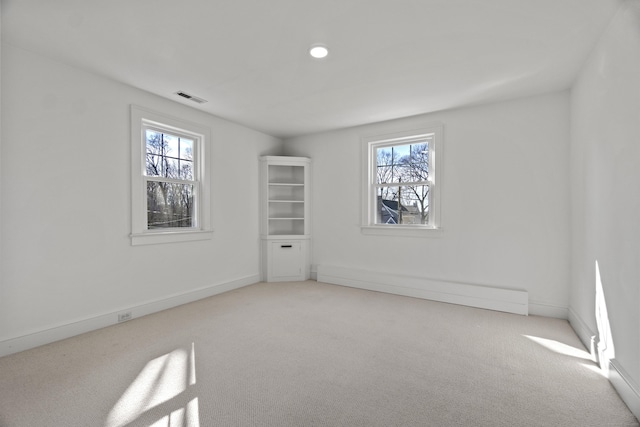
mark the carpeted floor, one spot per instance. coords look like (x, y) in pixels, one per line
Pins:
(312, 354)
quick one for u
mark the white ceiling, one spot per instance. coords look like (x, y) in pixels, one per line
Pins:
(248, 58)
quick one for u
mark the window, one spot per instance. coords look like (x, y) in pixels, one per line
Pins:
(170, 179)
(401, 182)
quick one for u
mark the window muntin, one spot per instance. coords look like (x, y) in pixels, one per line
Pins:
(401, 190)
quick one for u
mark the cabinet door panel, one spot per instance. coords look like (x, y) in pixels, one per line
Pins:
(287, 260)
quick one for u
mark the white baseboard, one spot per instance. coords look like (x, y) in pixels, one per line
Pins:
(545, 309)
(625, 386)
(507, 300)
(584, 332)
(628, 389)
(58, 332)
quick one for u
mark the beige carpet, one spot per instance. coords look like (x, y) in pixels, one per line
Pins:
(311, 354)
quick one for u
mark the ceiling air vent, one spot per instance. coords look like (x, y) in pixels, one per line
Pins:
(191, 97)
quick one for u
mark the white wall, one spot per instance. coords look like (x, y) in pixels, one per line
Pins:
(1, 256)
(505, 201)
(605, 179)
(66, 200)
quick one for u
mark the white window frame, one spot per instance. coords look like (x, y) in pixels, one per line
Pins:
(369, 146)
(142, 119)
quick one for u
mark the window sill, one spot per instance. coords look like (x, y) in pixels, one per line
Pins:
(401, 230)
(158, 237)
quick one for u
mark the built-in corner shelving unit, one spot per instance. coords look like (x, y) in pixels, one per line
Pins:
(285, 217)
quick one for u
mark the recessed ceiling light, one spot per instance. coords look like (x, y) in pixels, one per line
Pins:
(318, 51)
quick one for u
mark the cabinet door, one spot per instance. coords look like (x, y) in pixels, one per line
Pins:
(287, 261)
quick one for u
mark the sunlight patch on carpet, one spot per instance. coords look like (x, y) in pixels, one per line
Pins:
(560, 348)
(162, 380)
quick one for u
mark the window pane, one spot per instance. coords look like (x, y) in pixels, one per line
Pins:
(170, 168)
(412, 208)
(400, 152)
(171, 145)
(169, 205)
(387, 205)
(169, 155)
(402, 163)
(186, 169)
(384, 170)
(154, 165)
(419, 165)
(186, 149)
(154, 146)
(415, 204)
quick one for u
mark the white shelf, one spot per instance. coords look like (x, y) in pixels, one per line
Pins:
(286, 184)
(285, 213)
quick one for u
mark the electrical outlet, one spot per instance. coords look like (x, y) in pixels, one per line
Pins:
(123, 317)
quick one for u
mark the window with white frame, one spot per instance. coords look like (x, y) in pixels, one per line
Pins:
(402, 183)
(170, 179)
